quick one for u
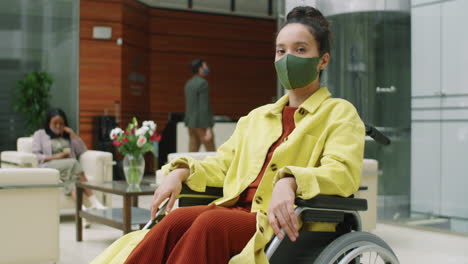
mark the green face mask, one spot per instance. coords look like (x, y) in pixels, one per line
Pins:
(296, 72)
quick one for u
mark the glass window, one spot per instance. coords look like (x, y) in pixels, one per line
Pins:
(37, 36)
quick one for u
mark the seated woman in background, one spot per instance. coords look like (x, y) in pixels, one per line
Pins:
(305, 144)
(57, 146)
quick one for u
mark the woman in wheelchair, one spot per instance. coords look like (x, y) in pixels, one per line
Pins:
(57, 146)
(305, 144)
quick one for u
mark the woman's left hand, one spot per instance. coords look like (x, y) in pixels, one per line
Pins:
(70, 131)
(281, 212)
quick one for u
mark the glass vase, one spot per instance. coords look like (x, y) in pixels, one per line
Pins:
(134, 168)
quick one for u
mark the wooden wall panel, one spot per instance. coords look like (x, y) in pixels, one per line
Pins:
(135, 67)
(223, 47)
(135, 62)
(209, 29)
(100, 64)
(159, 44)
(135, 15)
(135, 73)
(235, 86)
(212, 18)
(100, 82)
(136, 37)
(239, 51)
(135, 91)
(101, 10)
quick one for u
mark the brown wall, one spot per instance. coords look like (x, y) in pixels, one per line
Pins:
(100, 63)
(135, 61)
(158, 46)
(239, 52)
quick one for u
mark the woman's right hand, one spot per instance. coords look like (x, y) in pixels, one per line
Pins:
(61, 155)
(170, 188)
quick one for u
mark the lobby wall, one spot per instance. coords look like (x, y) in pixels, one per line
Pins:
(145, 75)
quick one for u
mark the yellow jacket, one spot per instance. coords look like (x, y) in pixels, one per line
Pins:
(324, 153)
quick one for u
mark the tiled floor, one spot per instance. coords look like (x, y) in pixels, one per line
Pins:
(412, 246)
(415, 246)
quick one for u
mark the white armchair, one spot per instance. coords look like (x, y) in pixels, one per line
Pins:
(29, 202)
(97, 166)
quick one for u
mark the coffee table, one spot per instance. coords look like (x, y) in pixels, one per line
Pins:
(120, 218)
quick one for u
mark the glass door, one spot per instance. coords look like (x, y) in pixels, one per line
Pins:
(371, 67)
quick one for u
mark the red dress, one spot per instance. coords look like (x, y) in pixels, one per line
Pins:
(208, 233)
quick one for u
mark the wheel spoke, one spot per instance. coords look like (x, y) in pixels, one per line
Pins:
(358, 248)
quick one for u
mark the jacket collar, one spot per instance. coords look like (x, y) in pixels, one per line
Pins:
(310, 104)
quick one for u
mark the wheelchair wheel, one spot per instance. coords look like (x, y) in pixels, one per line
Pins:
(357, 248)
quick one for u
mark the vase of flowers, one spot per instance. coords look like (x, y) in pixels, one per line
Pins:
(134, 168)
(133, 143)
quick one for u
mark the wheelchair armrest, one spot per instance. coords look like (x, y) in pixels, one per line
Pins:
(210, 191)
(189, 197)
(334, 202)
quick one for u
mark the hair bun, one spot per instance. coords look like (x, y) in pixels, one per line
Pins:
(316, 23)
(307, 13)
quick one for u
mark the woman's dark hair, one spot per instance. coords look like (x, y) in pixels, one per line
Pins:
(196, 64)
(317, 24)
(51, 114)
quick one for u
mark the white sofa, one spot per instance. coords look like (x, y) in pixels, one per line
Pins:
(368, 179)
(97, 166)
(29, 225)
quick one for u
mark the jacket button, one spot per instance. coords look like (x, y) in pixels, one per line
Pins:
(261, 229)
(302, 111)
(259, 199)
(285, 139)
(273, 167)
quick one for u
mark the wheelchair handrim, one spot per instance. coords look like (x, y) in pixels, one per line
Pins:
(358, 248)
(386, 256)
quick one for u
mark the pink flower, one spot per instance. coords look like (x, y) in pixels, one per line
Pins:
(141, 141)
(117, 143)
(125, 140)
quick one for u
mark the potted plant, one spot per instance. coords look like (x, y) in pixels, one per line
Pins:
(33, 94)
(133, 143)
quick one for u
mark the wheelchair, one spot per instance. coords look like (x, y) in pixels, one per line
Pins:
(348, 244)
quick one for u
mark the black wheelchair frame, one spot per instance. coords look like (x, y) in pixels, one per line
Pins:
(348, 244)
